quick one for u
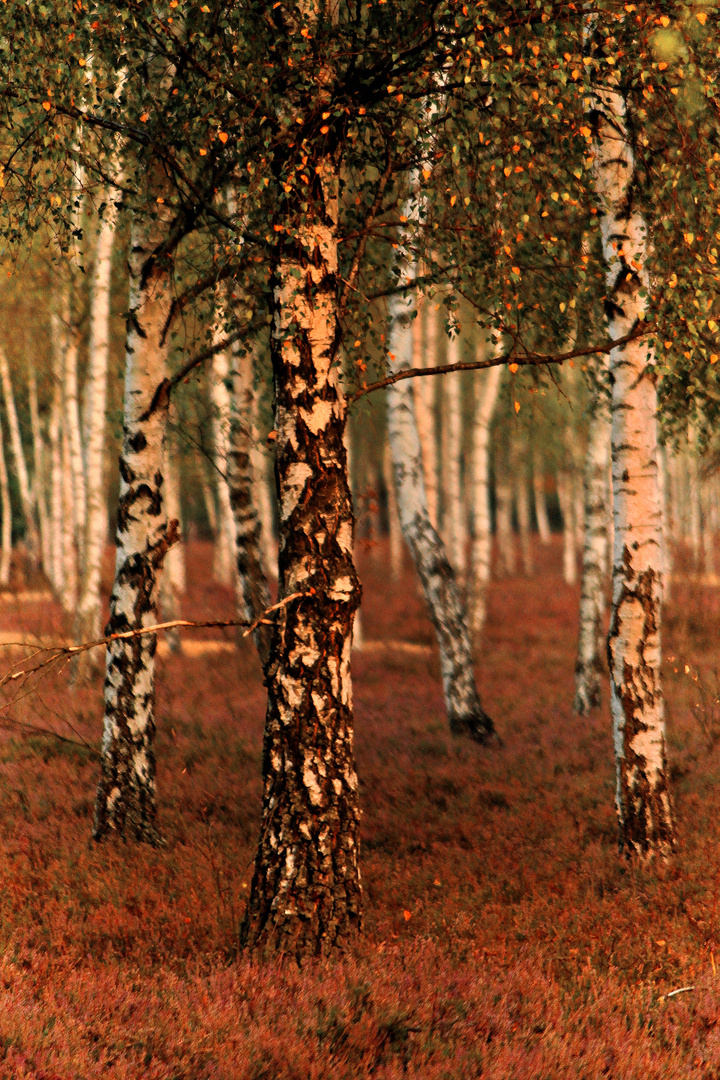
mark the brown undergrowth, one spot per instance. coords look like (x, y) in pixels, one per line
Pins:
(503, 935)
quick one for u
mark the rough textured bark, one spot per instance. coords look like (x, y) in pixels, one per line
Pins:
(21, 468)
(306, 897)
(488, 387)
(634, 652)
(588, 667)
(126, 795)
(465, 712)
(252, 593)
(88, 620)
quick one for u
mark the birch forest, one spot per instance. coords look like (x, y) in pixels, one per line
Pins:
(359, 539)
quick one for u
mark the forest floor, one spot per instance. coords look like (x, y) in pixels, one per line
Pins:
(504, 937)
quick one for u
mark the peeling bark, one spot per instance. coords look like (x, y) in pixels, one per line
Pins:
(306, 896)
(125, 800)
(634, 650)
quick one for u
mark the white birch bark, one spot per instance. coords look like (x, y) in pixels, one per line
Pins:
(6, 506)
(522, 500)
(125, 799)
(424, 390)
(441, 592)
(20, 461)
(68, 596)
(40, 482)
(567, 508)
(395, 537)
(88, 621)
(263, 498)
(172, 585)
(71, 424)
(488, 388)
(224, 565)
(56, 472)
(634, 649)
(507, 554)
(453, 516)
(588, 667)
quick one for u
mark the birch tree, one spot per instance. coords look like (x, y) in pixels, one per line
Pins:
(642, 772)
(487, 390)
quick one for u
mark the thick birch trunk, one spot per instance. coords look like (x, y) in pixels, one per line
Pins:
(306, 896)
(424, 390)
(252, 593)
(126, 794)
(488, 387)
(465, 713)
(454, 530)
(588, 667)
(634, 651)
(19, 456)
(6, 505)
(395, 536)
(541, 513)
(88, 621)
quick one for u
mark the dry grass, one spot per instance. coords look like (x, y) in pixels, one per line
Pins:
(503, 938)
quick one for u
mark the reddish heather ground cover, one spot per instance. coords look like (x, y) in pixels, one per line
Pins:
(503, 936)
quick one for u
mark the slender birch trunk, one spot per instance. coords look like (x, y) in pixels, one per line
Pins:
(21, 468)
(465, 712)
(172, 584)
(126, 795)
(567, 508)
(488, 387)
(634, 650)
(694, 502)
(68, 597)
(6, 506)
(424, 390)
(522, 501)
(56, 471)
(40, 485)
(263, 498)
(588, 668)
(209, 501)
(395, 536)
(71, 420)
(88, 620)
(541, 513)
(454, 531)
(252, 593)
(306, 896)
(507, 555)
(224, 565)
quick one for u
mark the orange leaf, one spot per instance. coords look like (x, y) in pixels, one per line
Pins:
(517, 406)
(222, 136)
(513, 367)
(407, 915)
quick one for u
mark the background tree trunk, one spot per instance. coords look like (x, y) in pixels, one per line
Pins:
(488, 387)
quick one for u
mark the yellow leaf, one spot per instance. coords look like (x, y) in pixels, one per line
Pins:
(305, 32)
(47, 106)
(144, 118)
(701, 17)
(713, 358)
(688, 237)
(222, 136)
(203, 153)
(517, 406)
(664, 20)
(507, 170)
(585, 131)
(453, 200)
(555, 196)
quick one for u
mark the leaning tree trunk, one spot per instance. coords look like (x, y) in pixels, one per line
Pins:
(252, 593)
(634, 653)
(306, 896)
(126, 795)
(88, 620)
(481, 550)
(464, 710)
(594, 563)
